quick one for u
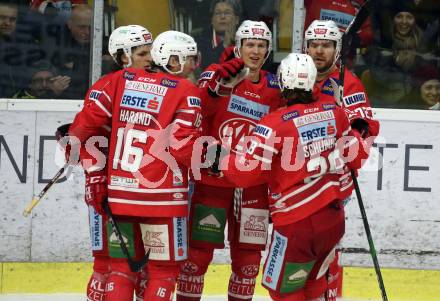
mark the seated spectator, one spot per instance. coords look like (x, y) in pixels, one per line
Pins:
(212, 40)
(426, 93)
(8, 20)
(69, 50)
(60, 8)
(392, 60)
(44, 83)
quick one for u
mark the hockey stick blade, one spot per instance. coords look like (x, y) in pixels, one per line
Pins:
(359, 19)
(43, 192)
(135, 266)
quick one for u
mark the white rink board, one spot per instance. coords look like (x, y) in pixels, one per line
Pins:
(405, 224)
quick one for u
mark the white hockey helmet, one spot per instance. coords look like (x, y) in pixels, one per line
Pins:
(252, 30)
(127, 37)
(324, 30)
(297, 71)
(171, 43)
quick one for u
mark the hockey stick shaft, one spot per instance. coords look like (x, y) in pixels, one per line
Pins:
(135, 266)
(43, 192)
(369, 237)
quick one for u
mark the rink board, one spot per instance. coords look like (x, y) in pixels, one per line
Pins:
(402, 199)
(359, 283)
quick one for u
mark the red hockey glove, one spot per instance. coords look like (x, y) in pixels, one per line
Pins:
(227, 76)
(227, 54)
(96, 189)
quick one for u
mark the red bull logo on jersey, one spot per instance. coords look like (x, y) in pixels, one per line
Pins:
(355, 99)
(272, 270)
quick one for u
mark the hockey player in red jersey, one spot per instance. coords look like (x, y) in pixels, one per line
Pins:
(234, 102)
(302, 151)
(154, 116)
(322, 41)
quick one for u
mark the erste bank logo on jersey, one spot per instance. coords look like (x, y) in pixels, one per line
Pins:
(143, 96)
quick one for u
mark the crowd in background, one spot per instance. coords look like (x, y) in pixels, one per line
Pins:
(45, 45)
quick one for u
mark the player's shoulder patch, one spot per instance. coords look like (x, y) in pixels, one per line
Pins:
(206, 75)
(94, 94)
(263, 131)
(170, 83)
(272, 81)
(194, 102)
(290, 115)
(327, 86)
(128, 75)
(328, 106)
(355, 99)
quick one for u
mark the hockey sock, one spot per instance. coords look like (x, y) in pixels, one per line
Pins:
(96, 285)
(162, 282)
(240, 288)
(121, 282)
(141, 284)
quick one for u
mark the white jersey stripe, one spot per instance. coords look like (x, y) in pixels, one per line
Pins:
(267, 147)
(184, 122)
(299, 190)
(147, 203)
(186, 111)
(101, 106)
(145, 190)
(308, 199)
(264, 160)
(106, 96)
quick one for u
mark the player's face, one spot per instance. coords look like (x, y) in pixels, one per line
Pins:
(141, 57)
(191, 64)
(430, 91)
(403, 23)
(322, 53)
(253, 53)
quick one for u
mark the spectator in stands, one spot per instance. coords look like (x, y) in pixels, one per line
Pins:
(211, 41)
(69, 50)
(426, 92)
(8, 24)
(393, 59)
(44, 83)
(60, 8)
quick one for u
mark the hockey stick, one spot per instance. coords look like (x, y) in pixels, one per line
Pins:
(43, 192)
(354, 26)
(135, 266)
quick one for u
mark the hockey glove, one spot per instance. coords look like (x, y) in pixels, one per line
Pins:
(96, 189)
(227, 54)
(62, 131)
(227, 76)
(361, 126)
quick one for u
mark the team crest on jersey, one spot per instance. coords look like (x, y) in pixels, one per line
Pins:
(263, 131)
(94, 95)
(355, 99)
(247, 108)
(169, 83)
(234, 131)
(290, 115)
(272, 81)
(194, 102)
(128, 75)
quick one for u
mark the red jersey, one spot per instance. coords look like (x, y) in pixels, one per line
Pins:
(341, 12)
(155, 120)
(297, 152)
(94, 159)
(232, 118)
(355, 99)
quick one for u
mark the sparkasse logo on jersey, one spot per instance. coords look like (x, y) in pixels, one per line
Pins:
(317, 131)
(143, 101)
(273, 269)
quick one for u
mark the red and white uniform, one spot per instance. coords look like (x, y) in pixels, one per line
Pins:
(149, 113)
(217, 202)
(310, 131)
(298, 150)
(341, 12)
